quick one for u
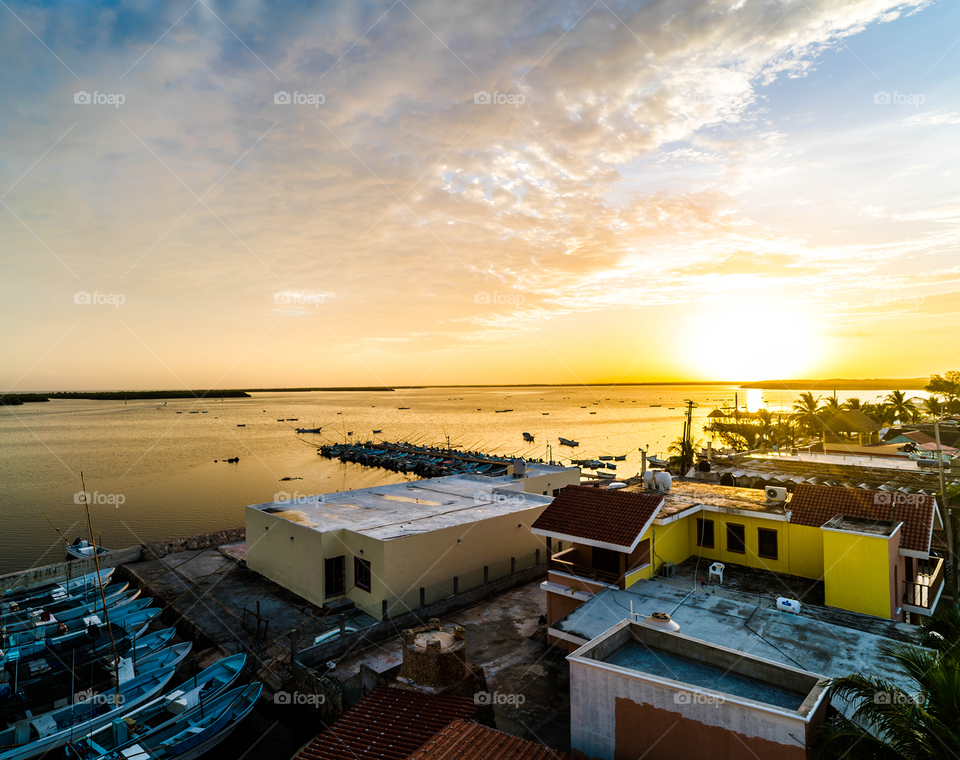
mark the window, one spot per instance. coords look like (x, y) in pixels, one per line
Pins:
(735, 539)
(556, 491)
(361, 574)
(767, 543)
(704, 533)
(334, 576)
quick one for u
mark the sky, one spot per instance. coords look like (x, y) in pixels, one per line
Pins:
(248, 194)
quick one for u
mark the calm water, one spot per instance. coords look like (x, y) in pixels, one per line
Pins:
(162, 463)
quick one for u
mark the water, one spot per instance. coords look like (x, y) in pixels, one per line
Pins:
(160, 464)
(658, 663)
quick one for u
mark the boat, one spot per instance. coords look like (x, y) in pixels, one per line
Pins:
(83, 549)
(655, 462)
(64, 612)
(544, 413)
(204, 687)
(38, 734)
(606, 475)
(58, 600)
(399, 407)
(308, 430)
(378, 431)
(192, 733)
(241, 425)
(152, 641)
(606, 458)
(622, 458)
(568, 442)
(293, 419)
(168, 657)
(528, 437)
(83, 584)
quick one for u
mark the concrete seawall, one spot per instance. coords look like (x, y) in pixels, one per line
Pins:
(160, 549)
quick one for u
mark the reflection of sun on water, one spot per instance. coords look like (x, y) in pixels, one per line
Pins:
(754, 400)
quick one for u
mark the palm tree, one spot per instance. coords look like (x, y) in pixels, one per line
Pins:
(889, 722)
(806, 412)
(830, 407)
(852, 404)
(683, 453)
(902, 409)
(881, 413)
(933, 407)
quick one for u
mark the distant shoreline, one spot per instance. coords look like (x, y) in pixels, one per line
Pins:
(839, 384)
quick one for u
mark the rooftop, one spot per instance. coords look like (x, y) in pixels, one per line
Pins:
(684, 494)
(463, 740)
(816, 505)
(401, 509)
(752, 625)
(389, 724)
(613, 519)
(884, 528)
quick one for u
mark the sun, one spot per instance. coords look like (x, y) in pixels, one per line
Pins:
(747, 341)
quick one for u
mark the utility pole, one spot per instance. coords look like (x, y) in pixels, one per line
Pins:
(688, 438)
(948, 521)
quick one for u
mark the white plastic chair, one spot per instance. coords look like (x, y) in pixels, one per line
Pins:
(716, 569)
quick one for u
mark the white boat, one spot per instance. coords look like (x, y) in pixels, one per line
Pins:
(194, 733)
(204, 687)
(83, 549)
(38, 734)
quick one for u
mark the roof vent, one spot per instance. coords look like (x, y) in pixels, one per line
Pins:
(663, 621)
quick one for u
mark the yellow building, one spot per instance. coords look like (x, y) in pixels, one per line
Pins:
(391, 549)
(870, 549)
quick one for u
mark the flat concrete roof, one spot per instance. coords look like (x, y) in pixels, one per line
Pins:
(685, 494)
(735, 622)
(402, 509)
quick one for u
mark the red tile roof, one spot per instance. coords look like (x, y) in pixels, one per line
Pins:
(815, 505)
(593, 514)
(388, 724)
(462, 740)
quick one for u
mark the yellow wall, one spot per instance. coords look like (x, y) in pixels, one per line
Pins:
(806, 551)
(857, 572)
(296, 565)
(669, 543)
(749, 558)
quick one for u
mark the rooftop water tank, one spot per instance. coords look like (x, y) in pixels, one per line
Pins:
(788, 605)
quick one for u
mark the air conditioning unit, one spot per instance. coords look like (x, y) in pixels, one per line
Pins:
(668, 569)
(776, 494)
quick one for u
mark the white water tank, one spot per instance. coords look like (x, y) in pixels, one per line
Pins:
(616, 485)
(788, 605)
(662, 481)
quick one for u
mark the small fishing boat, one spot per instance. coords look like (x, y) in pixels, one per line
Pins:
(38, 734)
(89, 582)
(83, 549)
(620, 458)
(152, 642)
(655, 462)
(606, 458)
(204, 687)
(241, 425)
(378, 431)
(528, 437)
(64, 612)
(544, 413)
(308, 430)
(568, 442)
(399, 407)
(293, 419)
(193, 733)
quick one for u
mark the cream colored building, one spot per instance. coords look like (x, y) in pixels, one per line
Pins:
(388, 549)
